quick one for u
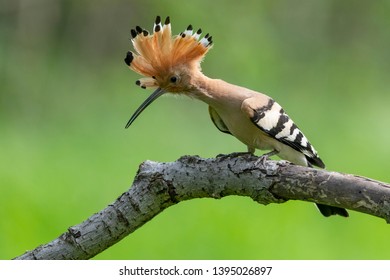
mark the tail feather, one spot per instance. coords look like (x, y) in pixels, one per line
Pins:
(328, 211)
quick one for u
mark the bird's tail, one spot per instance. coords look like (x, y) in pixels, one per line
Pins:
(331, 210)
(327, 210)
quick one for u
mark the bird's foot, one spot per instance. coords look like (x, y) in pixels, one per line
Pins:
(261, 161)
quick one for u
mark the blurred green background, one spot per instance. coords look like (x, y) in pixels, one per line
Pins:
(66, 94)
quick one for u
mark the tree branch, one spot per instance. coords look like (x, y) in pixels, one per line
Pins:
(160, 185)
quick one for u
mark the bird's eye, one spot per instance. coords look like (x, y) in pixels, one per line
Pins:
(174, 79)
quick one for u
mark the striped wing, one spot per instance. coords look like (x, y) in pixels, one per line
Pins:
(272, 119)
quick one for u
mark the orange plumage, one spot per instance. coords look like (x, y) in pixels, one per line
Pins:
(160, 52)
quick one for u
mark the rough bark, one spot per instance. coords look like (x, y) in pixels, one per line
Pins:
(160, 185)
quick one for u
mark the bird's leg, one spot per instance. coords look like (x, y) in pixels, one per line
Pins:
(265, 157)
(251, 150)
(270, 154)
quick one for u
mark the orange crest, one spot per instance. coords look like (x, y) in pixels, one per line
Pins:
(158, 53)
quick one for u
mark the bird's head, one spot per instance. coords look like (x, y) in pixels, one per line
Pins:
(167, 62)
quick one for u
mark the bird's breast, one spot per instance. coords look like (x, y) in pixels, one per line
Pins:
(243, 129)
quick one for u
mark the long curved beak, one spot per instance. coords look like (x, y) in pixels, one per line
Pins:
(156, 94)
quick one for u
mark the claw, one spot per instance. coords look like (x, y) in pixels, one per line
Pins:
(261, 161)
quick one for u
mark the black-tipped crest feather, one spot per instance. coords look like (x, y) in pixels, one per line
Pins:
(159, 52)
(129, 58)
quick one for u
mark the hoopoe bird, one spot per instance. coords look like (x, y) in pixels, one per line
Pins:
(172, 64)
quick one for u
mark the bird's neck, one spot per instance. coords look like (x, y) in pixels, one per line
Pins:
(201, 87)
(215, 91)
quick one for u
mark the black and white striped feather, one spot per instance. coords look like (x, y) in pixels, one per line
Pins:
(272, 119)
